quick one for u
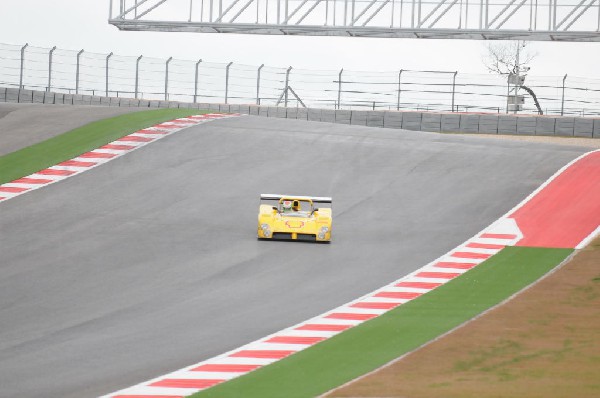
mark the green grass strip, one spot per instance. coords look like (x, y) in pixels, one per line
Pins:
(80, 140)
(372, 344)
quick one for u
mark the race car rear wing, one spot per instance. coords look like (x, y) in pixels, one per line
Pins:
(315, 199)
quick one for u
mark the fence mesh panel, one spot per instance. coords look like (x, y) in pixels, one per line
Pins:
(129, 76)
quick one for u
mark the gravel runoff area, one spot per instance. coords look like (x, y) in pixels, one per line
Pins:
(545, 342)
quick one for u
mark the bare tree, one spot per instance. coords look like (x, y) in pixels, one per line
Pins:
(511, 58)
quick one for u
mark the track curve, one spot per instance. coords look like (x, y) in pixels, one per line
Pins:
(150, 263)
(22, 125)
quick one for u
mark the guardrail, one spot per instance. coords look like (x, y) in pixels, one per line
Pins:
(477, 123)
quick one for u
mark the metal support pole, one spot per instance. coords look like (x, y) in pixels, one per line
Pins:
(399, 88)
(518, 82)
(453, 88)
(400, 16)
(507, 92)
(345, 12)
(196, 81)
(107, 58)
(227, 81)
(562, 102)
(50, 68)
(339, 101)
(598, 30)
(258, 84)
(137, 75)
(167, 78)
(77, 72)
(22, 64)
(287, 85)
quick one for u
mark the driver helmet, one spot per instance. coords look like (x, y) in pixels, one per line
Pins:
(287, 205)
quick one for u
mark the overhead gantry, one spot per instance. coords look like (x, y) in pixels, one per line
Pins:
(534, 20)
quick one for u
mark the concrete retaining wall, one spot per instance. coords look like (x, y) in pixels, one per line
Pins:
(566, 126)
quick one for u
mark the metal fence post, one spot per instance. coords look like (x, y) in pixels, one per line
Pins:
(167, 79)
(562, 102)
(399, 88)
(77, 72)
(227, 81)
(50, 68)
(107, 58)
(258, 84)
(287, 85)
(507, 92)
(196, 81)
(453, 88)
(137, 75)
(339, 101)
(22, 64)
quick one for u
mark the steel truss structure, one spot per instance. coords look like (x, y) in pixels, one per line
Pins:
(535, 20)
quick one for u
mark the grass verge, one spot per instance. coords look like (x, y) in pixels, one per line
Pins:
(80, 140)
(366, 347)
(544, 343)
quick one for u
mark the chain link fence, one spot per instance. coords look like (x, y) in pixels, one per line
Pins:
(84, 72)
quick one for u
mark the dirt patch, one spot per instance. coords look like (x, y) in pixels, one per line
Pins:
(543, 343)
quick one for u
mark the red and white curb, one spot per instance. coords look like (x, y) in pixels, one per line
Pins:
(104, 154)
(208, 373)
(205, 374)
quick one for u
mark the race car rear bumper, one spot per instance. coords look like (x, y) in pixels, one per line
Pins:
(294, 236)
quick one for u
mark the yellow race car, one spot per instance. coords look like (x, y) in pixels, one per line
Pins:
(294, 218)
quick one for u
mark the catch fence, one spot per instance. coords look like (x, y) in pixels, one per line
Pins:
(84, 72)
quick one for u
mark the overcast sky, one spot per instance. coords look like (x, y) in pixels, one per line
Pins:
(76, 24)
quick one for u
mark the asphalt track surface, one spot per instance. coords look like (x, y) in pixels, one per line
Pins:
(22, 125)
(150, 263)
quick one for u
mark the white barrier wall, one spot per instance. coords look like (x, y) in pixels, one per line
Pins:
(418, 121)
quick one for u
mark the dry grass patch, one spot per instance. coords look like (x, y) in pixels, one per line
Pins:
(543, 343)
